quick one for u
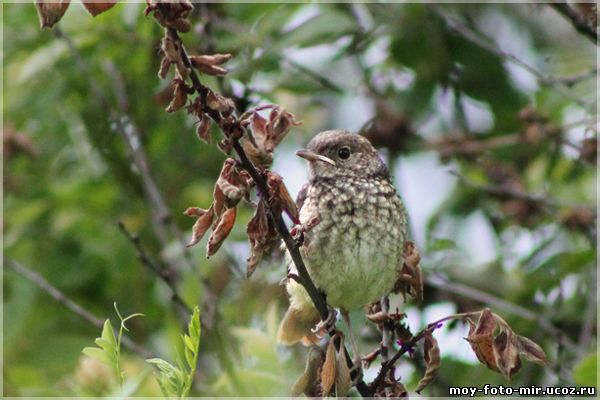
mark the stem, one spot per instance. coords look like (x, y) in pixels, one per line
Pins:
(385, 367)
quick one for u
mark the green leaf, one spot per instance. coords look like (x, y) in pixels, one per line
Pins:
(99, 355)
(586, 372)
(108, 334)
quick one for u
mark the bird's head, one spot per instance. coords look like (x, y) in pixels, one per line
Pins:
(339, 153)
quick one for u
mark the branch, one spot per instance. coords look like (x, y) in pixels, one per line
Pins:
(160, 272)
(385, 367)
(472, 293)
(61, 298)
(577, 20)
(317, 297)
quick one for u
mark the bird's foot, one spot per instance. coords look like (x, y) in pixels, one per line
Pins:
(327, 325)
(357, 371)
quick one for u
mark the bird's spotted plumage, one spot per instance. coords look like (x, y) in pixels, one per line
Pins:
(354, 253)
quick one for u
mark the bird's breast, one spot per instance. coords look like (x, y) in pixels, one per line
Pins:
(355, 251)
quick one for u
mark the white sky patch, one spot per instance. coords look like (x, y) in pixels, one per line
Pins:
(477, 239)
(423, 184)
(478, 115)
(510, 37)
(451, 342)
(292, 168)
(353, 112)
(304, 14)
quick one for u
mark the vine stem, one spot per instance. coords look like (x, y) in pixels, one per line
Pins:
(317, 297)
(387, 365)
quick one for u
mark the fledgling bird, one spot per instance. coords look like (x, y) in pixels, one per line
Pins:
(356, 250)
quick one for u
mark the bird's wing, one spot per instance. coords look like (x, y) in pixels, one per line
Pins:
(302, 196)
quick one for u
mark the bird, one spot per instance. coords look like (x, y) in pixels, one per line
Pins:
(355, 251)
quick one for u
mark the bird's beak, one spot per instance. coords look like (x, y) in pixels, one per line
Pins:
(310, 156)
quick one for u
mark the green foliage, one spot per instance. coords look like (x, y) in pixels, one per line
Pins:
(63, 199)
(109, 347)
(177, 381)
(586, 372)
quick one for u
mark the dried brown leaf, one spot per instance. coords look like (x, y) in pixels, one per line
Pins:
(165, 65)
(328, 373)
(506, 354)
(530, 350)
(431, 352)
(410, 280)
(307, 383)
(221, 231)
(51, 11)
(170, 14)
(280, 123)
(206, 62)
(179, 96)
(203, 129)
(205, 219)
(95, 8)
(343, 380)
(262, 236)
(481, 338)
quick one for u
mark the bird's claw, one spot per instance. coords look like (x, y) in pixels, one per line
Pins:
(356, 371)
(327, 325)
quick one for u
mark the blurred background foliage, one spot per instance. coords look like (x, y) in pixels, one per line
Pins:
(485, 114)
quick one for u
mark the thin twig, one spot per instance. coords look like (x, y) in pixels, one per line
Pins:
(316, 296)
(63, 299)
(160, 272)
(410, 344)
(576, 19)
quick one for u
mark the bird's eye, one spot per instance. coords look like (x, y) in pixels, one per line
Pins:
(344, 153)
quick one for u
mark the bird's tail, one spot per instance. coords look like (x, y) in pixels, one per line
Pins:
(297, 325)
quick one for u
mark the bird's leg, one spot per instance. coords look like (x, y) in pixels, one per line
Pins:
(355, 353)
(326, 325)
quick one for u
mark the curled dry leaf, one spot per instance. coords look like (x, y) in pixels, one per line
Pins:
(204, 221)
(51, 11)
(343, 380)
(308, 382)
(262, 236)
(501, 352)
(221, 231)
(266, 133)
(95, 7)
(210, 64)
(219, 103)
(279, 197)
(409, 280)
(329, 368)
(203, 129)
(179, 95)
(170, 14)
(335, 371)
(431, 352)
(172, 55)
(232, 182)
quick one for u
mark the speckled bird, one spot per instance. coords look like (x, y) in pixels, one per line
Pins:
(356, 250)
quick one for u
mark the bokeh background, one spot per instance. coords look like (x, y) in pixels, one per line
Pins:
(486, 115)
